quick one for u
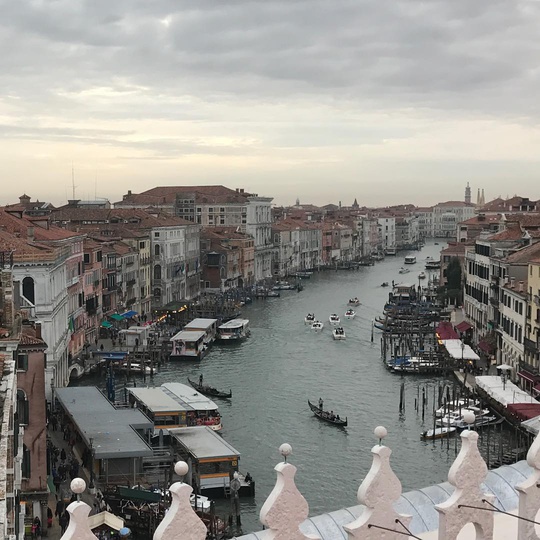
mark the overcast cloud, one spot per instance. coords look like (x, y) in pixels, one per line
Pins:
(325, 100)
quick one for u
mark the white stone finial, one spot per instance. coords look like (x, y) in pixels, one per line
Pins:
(380, 432)
(469, 417)
(285, 509)
(235, 475)
(379, 491)
(466, 474)
(78, 528)
(285, 450)
(181, 522)
(78, 485)
(529, 495)
(181, 468)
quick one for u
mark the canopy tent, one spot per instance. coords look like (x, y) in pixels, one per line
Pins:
(106, 324)
(129, 314)
(445, 331)
(458, 350)
(504, 393)
(117, 317)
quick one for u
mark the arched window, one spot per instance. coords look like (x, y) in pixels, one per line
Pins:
(26, 465)
(157, 292)
(22, 407)
(157, 271)
(157, 250)
(29, 289)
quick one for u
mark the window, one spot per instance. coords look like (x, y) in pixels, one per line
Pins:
(87, 258)
(22, 407)
(157, 250)
(141, 245)
(26, 466)
(156, 235)
(99, 256)
(28, 289)
(22, 362)
(157, 271)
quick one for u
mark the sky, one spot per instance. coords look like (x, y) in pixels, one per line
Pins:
(386, 101)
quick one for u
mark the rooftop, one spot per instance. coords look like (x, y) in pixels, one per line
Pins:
(203, 442)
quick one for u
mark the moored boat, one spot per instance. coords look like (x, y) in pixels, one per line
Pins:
(317, 326)
(234, 330)
(329, 417)
(208, 390)
(304, 275)
(338, 333)
(334, 319)
(438, 433)
(309, 318)
(422, 275)
(350, 314)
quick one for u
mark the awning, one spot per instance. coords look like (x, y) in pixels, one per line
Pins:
(106, 324)
(463, 326)
(526, 375)
(129, 314)
(483, 345)
(536, 388)
(117, 317)
(525, 411)
(445, 331)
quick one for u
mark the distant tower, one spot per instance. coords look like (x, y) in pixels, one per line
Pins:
(468, 194)
(297, 201)
(478, 198)
(355, 204)
(482, 198)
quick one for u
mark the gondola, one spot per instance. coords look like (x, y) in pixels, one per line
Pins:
(325, 415)
(209, 391)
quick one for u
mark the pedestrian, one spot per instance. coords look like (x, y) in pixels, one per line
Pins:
(49, 517)
(201, 379)
(101, 347)
(57, 481)
(64, 521)
(60, 505)
(54, 422)
(63, 454)
(36, 527)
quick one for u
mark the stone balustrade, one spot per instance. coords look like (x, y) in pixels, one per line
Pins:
(468, 513)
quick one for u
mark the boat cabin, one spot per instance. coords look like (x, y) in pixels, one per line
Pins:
(175, 405)
(188, 344)
(410, 259)
(212, 461)
(135, 336)
(234, 330)
(208, 326)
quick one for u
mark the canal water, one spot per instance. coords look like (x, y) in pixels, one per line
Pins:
(284, 363)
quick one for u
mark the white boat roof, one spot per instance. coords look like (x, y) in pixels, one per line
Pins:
(197, 324)
(203, 443)
(188, 335)
(189, 396)
(235, 323)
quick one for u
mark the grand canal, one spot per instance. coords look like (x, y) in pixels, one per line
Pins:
(284, 363)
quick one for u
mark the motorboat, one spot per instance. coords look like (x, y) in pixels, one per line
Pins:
(350, 314)
(334, 319)
(404, 270)
(309, 318)
(354, 301)
(304, 275)
(422, 275)
(456, 405)
(338, 333)
(455, 419)
(317, 326)
(283, 286)
(438, 433)
(384, 284)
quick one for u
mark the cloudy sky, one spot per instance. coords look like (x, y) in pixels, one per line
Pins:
(388, 101)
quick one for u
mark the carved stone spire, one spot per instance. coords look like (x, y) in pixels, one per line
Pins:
(78, 528)
(379, 491)
(529, 495)
(285, 509)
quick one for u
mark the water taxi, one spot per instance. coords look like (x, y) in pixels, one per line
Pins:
(334, 319)
(410, 259)
(350, 314)
(338, 333)
(317, 326)
(235, 330)
(175, 405)
(456, 405)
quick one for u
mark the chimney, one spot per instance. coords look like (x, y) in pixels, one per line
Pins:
(30, 234)
(521, 286)
(38, 330)
(512, 282)
(241, 190)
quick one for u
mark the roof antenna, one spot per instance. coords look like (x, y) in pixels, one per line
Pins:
(73, 186)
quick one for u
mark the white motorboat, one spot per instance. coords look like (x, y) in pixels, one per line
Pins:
(350, 314)
(455, 419)
(334, 319)
(317, 326)
(338, 333)
(354, 301)
(455, 406)
(310, 318)
(403, 270)
(438, 433)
